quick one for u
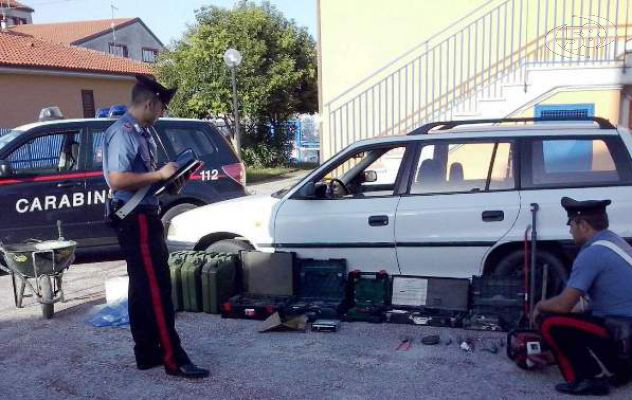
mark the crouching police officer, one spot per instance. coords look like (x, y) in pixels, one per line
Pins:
(586, 325)
(129, 164)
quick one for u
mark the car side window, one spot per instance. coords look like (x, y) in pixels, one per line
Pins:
(571, 162)
(48, 154)
(454, 167)
(98, 136)
(182, 138)
(366, 173)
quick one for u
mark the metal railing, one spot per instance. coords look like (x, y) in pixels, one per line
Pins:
(490, 48)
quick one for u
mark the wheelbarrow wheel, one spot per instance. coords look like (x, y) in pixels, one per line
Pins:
(46, 292)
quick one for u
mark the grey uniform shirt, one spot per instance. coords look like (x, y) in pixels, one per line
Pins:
(127, 147)
(604, 276)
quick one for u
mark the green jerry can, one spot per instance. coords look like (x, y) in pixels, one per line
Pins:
(176, 260)
(192, 281)
(218, 281)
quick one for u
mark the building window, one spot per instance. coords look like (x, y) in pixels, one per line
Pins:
(118, 50)
(87, 101)
(149, 55)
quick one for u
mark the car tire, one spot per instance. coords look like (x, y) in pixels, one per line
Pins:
(173, 212)
(513, 265)
(230, 246)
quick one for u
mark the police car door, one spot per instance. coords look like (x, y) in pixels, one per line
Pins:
(347, 211)
(46, 185)
(100, 233)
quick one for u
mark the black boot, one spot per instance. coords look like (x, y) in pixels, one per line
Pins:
(189, 371)
(585, 387)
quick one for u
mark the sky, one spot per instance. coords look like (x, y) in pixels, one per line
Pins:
(168, 19)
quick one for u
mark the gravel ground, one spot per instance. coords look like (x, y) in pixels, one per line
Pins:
(66, 358)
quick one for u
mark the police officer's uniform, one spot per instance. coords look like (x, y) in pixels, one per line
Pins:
(129, 147)
(582, 344)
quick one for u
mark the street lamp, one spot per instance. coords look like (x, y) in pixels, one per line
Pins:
(232, 58)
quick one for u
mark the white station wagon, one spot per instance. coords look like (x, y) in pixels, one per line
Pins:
(449, 199)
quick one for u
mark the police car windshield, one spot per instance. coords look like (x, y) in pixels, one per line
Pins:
(8, 138)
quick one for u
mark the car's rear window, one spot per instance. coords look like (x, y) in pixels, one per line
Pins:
(182, 138)
(571, 162)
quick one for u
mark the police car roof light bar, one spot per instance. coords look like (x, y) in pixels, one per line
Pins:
(444, 125)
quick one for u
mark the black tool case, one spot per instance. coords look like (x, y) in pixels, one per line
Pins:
(499, 299)
(321, 289)
(268, 280)
(252, 306)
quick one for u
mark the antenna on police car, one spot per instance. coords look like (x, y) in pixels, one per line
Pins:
(3, 23)
(113, 7)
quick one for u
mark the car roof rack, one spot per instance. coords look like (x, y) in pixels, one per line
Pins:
(424, 129)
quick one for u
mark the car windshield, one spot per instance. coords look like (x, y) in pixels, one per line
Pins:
(8, 138)
(280, 193)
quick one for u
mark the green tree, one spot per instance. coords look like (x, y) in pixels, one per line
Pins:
(276, 79)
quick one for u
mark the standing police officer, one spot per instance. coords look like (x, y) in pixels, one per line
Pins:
(585, 350)
(129, 164)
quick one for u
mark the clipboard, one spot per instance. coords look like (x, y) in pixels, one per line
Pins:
(188, 163)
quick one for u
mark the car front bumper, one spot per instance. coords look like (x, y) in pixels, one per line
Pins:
(173, 245)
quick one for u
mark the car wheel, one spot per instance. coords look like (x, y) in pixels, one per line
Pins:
(513, 265)
(230, 246)
(173, 212)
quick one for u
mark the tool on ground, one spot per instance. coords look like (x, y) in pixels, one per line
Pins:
(326, 325)
(405, 344)
(465, 346)
(526, 348)
(534, 243)
(431, 340)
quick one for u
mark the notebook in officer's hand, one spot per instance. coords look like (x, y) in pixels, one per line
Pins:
(188, 163)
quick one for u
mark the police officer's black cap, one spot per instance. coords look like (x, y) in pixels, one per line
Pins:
(576, 208)
(165, 95)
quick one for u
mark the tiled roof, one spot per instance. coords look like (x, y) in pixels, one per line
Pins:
(15, 4)
(22, 51)
(70, 33)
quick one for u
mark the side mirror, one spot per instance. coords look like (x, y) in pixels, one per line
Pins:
(308, 191)
(5, 169)
(370, 176)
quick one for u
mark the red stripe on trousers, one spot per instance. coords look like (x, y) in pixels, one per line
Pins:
(565, 365)
(165, 339)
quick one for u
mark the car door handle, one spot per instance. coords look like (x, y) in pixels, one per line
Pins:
(493, 215)
(69, 184)
(378, 220)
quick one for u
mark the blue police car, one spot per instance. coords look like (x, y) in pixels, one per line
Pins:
(51, 171)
